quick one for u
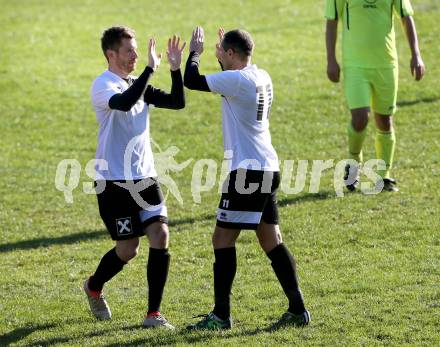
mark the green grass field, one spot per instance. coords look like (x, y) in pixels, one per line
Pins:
(369, 265)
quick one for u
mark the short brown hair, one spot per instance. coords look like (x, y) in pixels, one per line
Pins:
(240, 41)
(112, 38)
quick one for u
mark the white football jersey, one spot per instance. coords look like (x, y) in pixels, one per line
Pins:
(121, 133)
(246, 101)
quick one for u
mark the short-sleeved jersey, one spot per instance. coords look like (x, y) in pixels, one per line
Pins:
(118, 130)
(247, 96)
(368, 38)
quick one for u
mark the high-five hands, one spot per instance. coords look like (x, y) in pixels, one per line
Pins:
(153, 58)
(218, 46)
(197, 40)
(174, 53)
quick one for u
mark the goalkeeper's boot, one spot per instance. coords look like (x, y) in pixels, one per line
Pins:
(352, 177)
(98, 304)
(211, 322)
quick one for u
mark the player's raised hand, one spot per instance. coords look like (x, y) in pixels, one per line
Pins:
(153, 57)
(221, 33)
(174, 53)
(417, 67)
(218, 46)
(197, 40)
(333, 71)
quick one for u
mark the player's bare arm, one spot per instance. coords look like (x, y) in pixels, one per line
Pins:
(159, 98)
(331, 34)
(417, 65)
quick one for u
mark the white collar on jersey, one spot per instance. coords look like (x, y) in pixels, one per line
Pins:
(251, 67)
(119, 78)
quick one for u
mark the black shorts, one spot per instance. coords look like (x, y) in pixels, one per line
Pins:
(248, 197)
(123, 216)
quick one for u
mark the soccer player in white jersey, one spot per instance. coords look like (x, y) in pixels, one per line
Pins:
(122, 104)
(248, 199)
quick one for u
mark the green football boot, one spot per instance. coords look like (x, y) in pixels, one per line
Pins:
(290, 319)
(211, 322)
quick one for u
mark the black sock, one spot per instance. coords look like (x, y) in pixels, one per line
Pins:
(284, 266)
(157, 273)
(225, 267)
(108, 267)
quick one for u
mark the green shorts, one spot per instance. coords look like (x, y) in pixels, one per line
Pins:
(375, 88)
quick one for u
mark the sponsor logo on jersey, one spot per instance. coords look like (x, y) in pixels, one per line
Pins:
(370, 4)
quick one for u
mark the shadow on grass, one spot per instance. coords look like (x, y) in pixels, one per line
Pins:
(162, 338)
(83, 236)
(66, 339)
(50, 241)
(153, 337)
(189, 337)
(306, 198)
(191, 220)
(96, 234)
(21, 333)
(405, 103)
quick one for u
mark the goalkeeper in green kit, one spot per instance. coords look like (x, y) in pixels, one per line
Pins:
(370, 69)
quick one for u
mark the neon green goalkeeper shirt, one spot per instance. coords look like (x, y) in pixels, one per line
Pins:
(368, 38)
